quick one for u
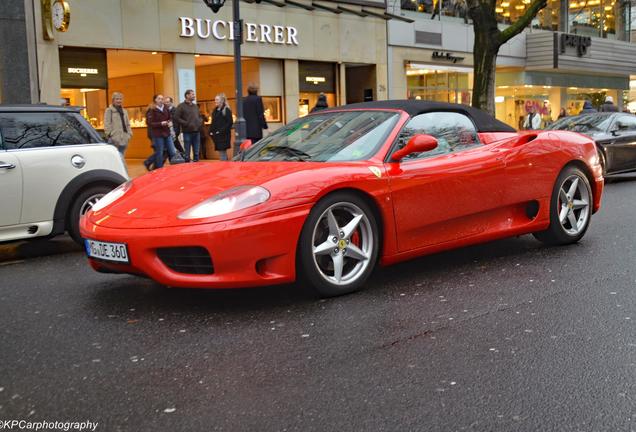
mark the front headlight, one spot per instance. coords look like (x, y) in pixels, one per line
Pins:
(112, 196)
(229, 201)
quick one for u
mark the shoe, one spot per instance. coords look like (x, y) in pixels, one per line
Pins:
(148, 164)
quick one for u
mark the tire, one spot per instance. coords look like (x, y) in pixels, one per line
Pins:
(603, 161)
(350, 221)
(82, 203)
(570, 208)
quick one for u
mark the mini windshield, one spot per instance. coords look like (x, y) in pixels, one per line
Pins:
(326, 137)
(586, 123)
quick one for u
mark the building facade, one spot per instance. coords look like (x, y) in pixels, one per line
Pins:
(571, 52)
(292, 51)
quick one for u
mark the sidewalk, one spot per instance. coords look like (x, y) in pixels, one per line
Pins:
(136, 167)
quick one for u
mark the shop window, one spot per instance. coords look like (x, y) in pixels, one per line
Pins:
(439, 85)
(509, 11)
(37, 129)
(437, 8)
(454, 132)
(600, 18)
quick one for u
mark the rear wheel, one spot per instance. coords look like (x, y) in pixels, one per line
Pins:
(570, 208)
(339, 245)
(84, 201)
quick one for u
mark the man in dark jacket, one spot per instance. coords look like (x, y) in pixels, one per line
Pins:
(609, 106)
(188, 117)
(254, 114)
(587, 108)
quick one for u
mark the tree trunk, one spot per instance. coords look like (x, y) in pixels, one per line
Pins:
(485, 50)
(485, 55)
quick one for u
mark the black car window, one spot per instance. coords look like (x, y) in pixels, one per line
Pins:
(625, 123)
(454, 132)
(22, 130)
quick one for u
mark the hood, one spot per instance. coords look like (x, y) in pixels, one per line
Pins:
(158, 198)
(587, 105)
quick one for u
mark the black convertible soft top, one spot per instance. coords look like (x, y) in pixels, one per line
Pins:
(484, 122)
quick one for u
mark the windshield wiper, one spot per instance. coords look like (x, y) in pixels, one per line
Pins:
(290, 151)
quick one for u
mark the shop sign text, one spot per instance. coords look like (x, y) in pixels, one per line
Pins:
(581, 43)
(447, 56)
(224, 30)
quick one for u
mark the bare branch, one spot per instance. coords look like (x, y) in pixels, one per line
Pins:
(523, 21)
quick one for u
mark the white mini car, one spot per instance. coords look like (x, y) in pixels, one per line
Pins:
(53, 167)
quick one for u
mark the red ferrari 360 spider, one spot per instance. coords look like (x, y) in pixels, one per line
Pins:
(331, 194)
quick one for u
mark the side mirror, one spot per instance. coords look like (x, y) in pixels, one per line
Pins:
(246, 144)
(417, 144)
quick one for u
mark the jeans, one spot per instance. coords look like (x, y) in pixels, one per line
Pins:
(223, 155)
(161, 143)
(191, 139)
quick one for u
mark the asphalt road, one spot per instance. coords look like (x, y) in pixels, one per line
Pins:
(507, 336)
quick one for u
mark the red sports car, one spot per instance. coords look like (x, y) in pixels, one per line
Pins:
(329, 195)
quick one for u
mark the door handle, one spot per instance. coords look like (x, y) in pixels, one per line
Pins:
(6, 165)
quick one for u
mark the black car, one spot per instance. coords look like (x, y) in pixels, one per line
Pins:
(615, 136)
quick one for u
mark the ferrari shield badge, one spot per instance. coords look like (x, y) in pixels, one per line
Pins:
(376, 171)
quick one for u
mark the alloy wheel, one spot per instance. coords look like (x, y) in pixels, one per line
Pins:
(90, 202)
(342, 243)
(573, 205)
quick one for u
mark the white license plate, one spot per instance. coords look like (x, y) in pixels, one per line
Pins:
(107, 251)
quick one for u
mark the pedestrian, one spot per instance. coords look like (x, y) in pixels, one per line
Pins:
(587, 108)
(254, 114)
(149, 163)
(562, 113)
(188, 118)
(533, 120)
(321, 103)
(175, 130)
(203, 136)
(160, 124)
(609, 106)
(221, 127)
(117, 124)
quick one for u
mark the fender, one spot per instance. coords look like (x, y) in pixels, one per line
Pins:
(73, 187)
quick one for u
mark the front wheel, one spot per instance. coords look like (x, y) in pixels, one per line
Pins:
(339, 245)
(83, 202)
(570, 208)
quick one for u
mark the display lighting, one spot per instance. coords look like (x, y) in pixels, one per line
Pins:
(499, 99)
(608, 8)
(507, 14)
(505, 4)
(520, 7)
(499, 10)
(526, 1)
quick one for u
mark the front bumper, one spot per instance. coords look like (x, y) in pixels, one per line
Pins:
(251, 251)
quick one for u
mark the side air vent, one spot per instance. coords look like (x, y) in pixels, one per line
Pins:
(189, 260)
(32, 229)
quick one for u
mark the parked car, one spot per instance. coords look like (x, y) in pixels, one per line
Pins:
(53, 168)
(327, 196)
(614, 134)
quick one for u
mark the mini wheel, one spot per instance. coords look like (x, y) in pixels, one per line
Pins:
(83, 202)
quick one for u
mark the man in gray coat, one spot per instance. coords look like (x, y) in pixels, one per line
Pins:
(116, 124)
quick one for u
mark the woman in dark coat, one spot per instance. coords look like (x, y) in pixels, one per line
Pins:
(321, 104)
(221, 127)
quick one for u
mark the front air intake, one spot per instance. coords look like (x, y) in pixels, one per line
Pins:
(188, 260)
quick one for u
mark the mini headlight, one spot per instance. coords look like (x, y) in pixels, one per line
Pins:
(229, 201)
(112, 196)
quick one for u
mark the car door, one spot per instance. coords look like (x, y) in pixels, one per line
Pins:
(449, 193)
(44, 144)
(10, 188)
(621, 149)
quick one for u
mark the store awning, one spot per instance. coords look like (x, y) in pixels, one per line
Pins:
(362, 12)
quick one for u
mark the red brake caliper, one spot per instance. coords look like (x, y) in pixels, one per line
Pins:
(355, 238)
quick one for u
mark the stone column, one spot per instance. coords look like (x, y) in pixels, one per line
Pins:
(18, 73)
(292, 92)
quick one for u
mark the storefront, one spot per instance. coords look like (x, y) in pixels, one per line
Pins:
(291, 52)
(432, 58)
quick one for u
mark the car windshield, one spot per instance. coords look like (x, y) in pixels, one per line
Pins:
(326, 137)
(586, 123)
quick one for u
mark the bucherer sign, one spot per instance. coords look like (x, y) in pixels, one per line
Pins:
(224, 30)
